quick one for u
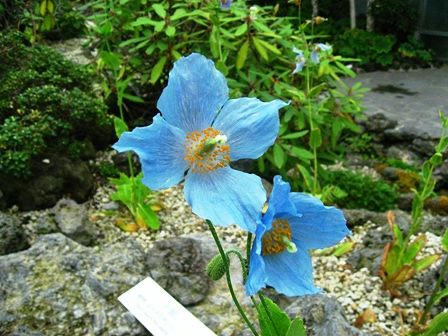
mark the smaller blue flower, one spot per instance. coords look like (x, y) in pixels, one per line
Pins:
(317, 48)
(300, 60)
(293, 224)
(225, 4)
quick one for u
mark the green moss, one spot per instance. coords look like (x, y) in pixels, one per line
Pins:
(46, 105)
(362, 191)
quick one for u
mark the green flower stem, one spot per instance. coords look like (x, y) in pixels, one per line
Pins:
(310, 120)
(436, 289)
(229, 281)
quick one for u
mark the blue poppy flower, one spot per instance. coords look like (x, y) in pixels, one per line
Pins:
(315, 53)
(293, 224)
(199, 131)
(225, 4)
(300, 60)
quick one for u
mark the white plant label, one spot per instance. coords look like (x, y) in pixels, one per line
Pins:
(160, 313)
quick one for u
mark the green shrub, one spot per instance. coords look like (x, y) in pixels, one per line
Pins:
(371, 48)
(46, 105)
(362, 191)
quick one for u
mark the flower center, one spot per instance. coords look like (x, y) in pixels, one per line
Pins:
(278, 238)
(206, 150)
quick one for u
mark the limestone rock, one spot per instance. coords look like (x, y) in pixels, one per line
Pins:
(12, 238)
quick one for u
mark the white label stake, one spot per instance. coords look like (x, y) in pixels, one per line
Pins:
(160, 313)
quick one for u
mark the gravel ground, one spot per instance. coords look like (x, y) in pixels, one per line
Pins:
(357, 291)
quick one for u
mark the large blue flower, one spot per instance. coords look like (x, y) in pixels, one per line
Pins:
(293, 224)
(199, 132)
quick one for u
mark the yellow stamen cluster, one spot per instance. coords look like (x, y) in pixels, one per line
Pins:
(205, 152)
(273, 240)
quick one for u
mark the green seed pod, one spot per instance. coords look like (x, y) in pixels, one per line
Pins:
(216, 268)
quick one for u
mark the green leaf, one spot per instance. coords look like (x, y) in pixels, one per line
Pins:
(178, 14)
(242, 55)
(214, 42)
(259, 47)
(148, 216)
(343, 248)
(306, 176)
(413, 249)
(141, 21)
(425, 262)
(158, 8)
(241, 29)
(43, 7)
(301, 153)
(272, 48)
(315, 138)
(440, 295)
(170, 31)
(133, 98)
(445, 241)
(437, 325)
(279, 156)
(222, 67)
(294, 135)
(111, 59)
(158, 69)
(296, 328)
(273, 321)
(120, 126)
(50, 6)
(158, 26)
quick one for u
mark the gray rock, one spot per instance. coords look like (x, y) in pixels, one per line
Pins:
(12, 237)
(51, 181)
(59, 287)
(378, 123)
(424, 147)
(178, 265)
(111, 206)
(322, 315)
(404, 201)
(403, 154)
(441, 175)
(73, 221)
(356, 217)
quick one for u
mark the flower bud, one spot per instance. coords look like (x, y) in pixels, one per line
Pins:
(216, 268)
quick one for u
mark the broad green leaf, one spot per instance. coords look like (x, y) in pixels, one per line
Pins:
(170, 31)
(178, 14)
(158, 69)
(158, 8)
(260, 48)
(176, 54)
(241, 29)
(437, 325)
(279, 156)
(149, 217)
(296, 328)
(273, 321)
(445, 241)
(301, 153)
(50, 6)
(294, 135)
(158, 26)
(398, 235)
(43, 7)
(413, 249)
(120, 126)
(242, 55)
(315, 138)
(143, 21)
(440, 295)
(222, 67)
(425, 262)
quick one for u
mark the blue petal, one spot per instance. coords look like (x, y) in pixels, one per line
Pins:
(160, 148)
(279, 201)
(297, 51)
(291, 274)
(226, 196)
(299, 67)
(250, 125)
(225, 4)
(195, 93)
(323, 47)
(320, 226)
(315, 57)
(257, 276)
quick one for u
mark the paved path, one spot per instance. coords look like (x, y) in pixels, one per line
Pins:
(413, 98)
